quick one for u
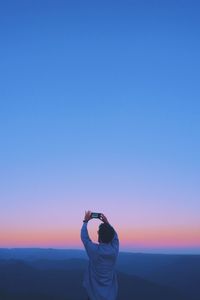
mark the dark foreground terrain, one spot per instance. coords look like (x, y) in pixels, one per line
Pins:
(57, 274)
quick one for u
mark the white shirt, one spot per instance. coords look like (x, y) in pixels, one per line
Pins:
(100, 278)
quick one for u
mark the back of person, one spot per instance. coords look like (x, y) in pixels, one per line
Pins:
(100, 280)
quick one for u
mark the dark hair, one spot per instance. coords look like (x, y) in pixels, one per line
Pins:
(106, 233)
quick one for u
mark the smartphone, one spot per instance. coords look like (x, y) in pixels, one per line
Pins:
(96, 215)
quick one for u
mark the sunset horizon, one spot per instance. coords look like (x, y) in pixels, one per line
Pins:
(100, 110)
(152, 241)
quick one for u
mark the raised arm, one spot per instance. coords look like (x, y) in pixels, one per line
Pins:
(90, 247)
(115, 242)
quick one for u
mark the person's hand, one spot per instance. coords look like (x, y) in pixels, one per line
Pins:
(103, 218)
(88, 216)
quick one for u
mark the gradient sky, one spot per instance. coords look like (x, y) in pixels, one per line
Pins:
(100, 110)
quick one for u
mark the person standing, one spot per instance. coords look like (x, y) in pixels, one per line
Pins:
(100, 279)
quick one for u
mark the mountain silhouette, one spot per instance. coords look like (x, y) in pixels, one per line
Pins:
(19, 280)
(57, 274)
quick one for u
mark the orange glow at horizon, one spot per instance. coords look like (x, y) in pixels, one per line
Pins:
(164, 237)
(39, 238)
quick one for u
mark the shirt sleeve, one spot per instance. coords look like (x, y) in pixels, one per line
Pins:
(90, 247)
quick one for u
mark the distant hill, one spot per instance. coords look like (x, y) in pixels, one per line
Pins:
(19, 281)
(179, 271)
(29, 254)
(138, 273)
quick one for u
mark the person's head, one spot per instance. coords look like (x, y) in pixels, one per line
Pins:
(106, 233)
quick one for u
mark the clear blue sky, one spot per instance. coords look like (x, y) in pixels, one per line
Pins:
(100, 110)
